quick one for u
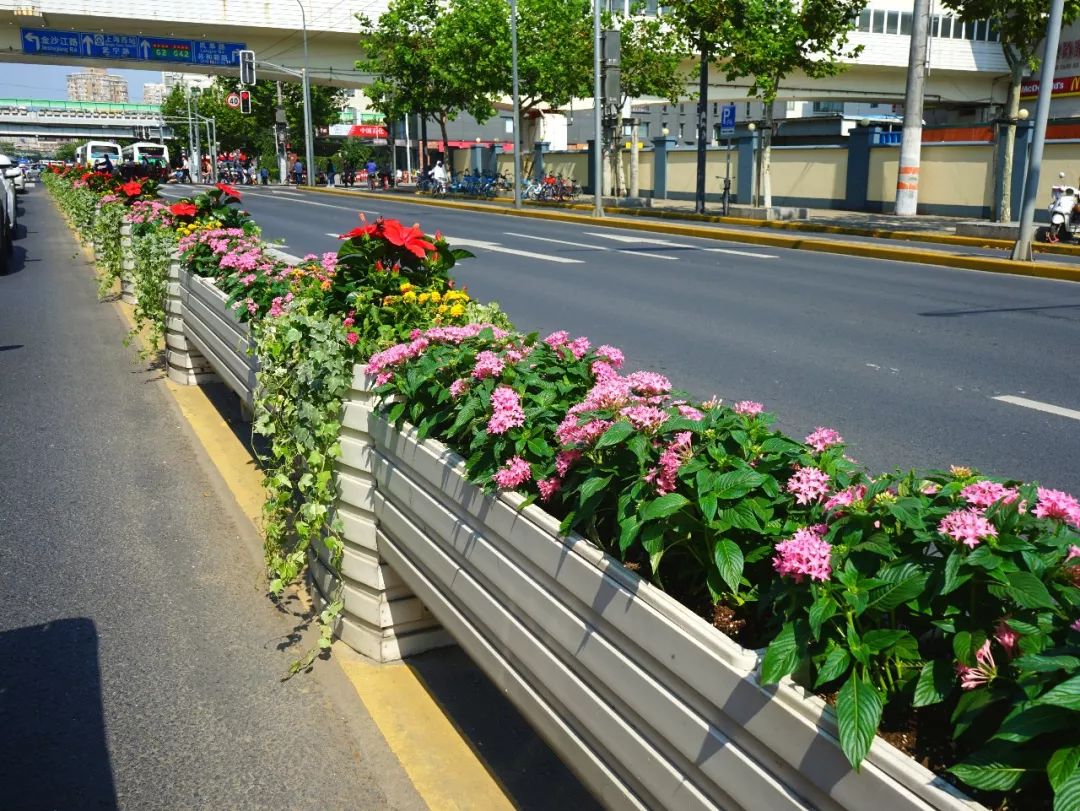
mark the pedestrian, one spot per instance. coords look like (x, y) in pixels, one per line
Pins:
(298, 171)
(264, 176)
(185, 171)
(330, 173)
(372, 173)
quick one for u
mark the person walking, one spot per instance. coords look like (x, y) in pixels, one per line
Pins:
(185, 171)
(298, 171)
(372, 173)
(264, 176)
(331, 172)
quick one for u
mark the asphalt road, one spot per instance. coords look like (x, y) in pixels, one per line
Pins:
(904, 360)
(140, 662)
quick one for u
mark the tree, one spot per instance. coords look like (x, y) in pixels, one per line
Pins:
(65, 152)
(1022, 26)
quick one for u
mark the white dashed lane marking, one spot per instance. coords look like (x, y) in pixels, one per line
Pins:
(1035, 405)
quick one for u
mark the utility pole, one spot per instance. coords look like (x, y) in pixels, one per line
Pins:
(1022, 248)
(907, 178)
(516, 92)
(598, 112)
(279, 118)
(703, 125)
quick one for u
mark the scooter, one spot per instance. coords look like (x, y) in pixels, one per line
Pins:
(1064, 217)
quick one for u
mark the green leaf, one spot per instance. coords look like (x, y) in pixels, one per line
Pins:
(628, 531)
(953, 578)
(664, 506)
(1066, 694)
(835, 666)
(1040, 663)
(1028, 722)
(821, 610)
(707, 505)
(1028, 591)
(615, 434)
(1062, 765)
(1067, 794)
(736, 483)
(994, 768)
(729, 562)
(858, 712)
(781, 656)
(592, 485)
(879, 640)
(902, 583)
(935, 683)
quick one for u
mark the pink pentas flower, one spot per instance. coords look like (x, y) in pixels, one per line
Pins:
(611, 392)
(968, 527)
(805, 554)
(488, 364)
(557, 339)
(506, 411)
(930, 489)
(823, 438)
(690, 412)
(1076, 625)
(748, 408)
(515, 473)
(548, 487)
(986, 493)
(845, 498)
(1008, 638)
(649, 383)
(602, 370)
(1073, 571)
(564, 460)
(459, 387)
(664, 477)
(645, 418)
(984, 671)
(614, 357)
(808, 484)
(578, 347)
(1059, 505)
(352, 338)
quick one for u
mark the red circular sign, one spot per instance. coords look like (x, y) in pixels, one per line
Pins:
(233, 100)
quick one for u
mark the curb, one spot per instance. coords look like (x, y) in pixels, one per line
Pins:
(1061, 272)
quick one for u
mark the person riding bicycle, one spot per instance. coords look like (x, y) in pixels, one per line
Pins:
(439, 174)
(372, 173)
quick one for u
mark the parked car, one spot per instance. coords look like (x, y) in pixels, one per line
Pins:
(8, 172)
(7, 226)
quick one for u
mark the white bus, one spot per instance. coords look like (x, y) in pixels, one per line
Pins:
(150, 159)
(90, 153)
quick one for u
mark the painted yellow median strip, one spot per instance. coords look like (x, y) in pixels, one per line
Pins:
(444, 769)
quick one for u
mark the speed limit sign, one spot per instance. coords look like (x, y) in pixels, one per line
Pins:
(233, 100)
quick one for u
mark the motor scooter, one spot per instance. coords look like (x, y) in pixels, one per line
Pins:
(1064, 216)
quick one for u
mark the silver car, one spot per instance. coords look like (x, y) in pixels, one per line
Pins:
(8, 175)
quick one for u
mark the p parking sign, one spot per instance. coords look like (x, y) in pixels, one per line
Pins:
(727, 120)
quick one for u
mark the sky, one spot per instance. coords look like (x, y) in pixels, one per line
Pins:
(50, 81)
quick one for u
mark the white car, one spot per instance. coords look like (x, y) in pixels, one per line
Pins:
(8, 173)
(7, 233)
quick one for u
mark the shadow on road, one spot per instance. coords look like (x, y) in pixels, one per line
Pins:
(53, 746)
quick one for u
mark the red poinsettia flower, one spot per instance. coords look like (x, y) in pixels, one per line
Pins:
(228, 190)
(411, 239)
(183, 209)
(361, 231)
(132, 188)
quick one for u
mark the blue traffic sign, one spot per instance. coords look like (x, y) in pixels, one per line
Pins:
(46, 42)
(727, 120)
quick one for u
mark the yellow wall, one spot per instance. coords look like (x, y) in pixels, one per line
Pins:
(1058, 158)
(960, 175)
(809, 173)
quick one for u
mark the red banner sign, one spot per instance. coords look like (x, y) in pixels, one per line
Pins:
(1063, 86)
(367, 131)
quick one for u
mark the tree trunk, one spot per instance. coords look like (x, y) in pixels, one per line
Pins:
(620, 175)
(445, 144)
(1012, 108)
(635, 189)
(766, 152)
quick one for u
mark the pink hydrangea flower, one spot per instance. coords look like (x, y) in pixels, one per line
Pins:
(986, 493)
(822, 438)
(845, 498)
(614, 357)
(1057, 504)
(808, 484)
(647, 383)
(488, 364)
(968, 527)
(515, 473)
(506, 411)
(459, 387)
(645, 418)
(548, 487)
(748, 408)
(805, 554)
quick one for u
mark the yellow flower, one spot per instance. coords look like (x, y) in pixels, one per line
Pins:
(405, 287)
(435, 296)
(442, 309)
(423, 298)
(457, 311)
(409, 296)
(388, 300)
(325, 285)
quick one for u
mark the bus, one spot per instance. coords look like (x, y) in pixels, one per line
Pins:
(90, 153)
(150, 159)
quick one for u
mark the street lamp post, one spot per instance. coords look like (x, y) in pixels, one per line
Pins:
(196, 165)
(598, 134)
(309, 149)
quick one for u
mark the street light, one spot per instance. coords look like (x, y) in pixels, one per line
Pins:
(309, 149)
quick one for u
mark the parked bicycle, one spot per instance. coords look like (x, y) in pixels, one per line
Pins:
(552, 188)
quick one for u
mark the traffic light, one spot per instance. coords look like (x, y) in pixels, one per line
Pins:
(247, 67)
(245, 101)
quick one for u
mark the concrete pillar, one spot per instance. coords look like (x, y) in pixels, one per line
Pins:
(381, 618)
(860, 141)
(745, 176)
(661, 145)
(491, 160)
(476, 158)
(540, 148)
(1025, 131)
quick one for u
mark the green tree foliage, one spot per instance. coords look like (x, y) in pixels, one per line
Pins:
(1022, 26)
(65, 152)
(652, 58)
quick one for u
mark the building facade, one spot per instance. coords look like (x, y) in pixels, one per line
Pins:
(153, 93)
(96, 85)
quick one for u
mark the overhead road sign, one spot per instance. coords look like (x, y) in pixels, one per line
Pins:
(85, 44)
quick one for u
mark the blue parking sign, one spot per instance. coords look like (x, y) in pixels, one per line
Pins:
(727, 120)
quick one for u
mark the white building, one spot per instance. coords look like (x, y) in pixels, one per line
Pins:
(96, 85)
(153, 93)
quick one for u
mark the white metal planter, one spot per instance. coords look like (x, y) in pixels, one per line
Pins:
(649, 704)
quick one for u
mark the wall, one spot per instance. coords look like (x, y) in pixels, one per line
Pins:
(809, 176)
(682, 173)
(1058, 157)
(954, 179)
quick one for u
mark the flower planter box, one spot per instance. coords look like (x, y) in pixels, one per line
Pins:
(127, 267)
(647, 702)
(212, 328)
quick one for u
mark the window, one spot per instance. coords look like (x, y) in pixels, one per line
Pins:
(878, 22)
(970, 30)
(508, 125)
(791, 106)
(892, 22)
(993, 35)
(905, 24)
(643, 130)
(980, 30)
(864, 19)
(827, 107)
(935, 26)
(946, 27)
